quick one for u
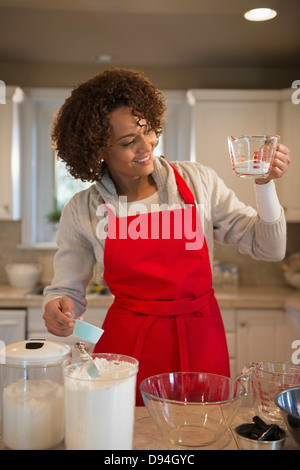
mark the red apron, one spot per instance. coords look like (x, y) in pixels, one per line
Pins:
(165, 313)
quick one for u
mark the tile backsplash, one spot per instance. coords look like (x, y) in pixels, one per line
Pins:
(251, 272)
(10, 238)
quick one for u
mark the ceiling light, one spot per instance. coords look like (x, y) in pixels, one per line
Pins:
(104, 58)
(260, 14)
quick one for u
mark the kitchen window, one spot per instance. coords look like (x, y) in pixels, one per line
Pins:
(65, 186)
(46, 184)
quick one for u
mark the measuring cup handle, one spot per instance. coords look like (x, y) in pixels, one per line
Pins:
(244, 377)
(247, 370)
(244, 380)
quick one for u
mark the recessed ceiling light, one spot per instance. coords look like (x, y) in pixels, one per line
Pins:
(104, 58)
(260, 14)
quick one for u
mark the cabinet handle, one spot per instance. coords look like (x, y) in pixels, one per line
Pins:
(242, 325)
(8, 323)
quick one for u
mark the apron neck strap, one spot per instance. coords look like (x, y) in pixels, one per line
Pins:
(183, 188)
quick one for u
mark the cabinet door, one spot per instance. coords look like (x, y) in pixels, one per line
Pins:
(261, 336)
(12, 326)
(36, 326)
(288, 187)
(218, 114)
(229, 320)
(95, 315)
(10, 155)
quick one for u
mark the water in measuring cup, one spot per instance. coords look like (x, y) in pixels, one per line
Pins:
(252, 156)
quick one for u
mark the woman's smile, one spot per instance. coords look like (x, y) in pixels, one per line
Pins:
(144, 161)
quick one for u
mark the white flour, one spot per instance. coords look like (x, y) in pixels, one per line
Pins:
(33, 420)
(99, 413)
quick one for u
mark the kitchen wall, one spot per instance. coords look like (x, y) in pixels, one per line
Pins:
(10, 238)
(259, 273)
(252, 272)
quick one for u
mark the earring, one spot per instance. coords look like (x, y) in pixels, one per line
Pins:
(100, 171)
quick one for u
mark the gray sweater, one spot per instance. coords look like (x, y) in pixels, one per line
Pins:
(225, 219)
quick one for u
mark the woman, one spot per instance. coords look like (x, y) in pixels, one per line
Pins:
(140, 223)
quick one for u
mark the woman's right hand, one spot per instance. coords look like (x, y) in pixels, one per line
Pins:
(58, 316)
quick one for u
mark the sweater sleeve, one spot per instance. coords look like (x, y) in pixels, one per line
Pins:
(238, 224)
(267, 202)
(73, 263)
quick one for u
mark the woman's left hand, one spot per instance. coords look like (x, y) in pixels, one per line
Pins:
(280, 164)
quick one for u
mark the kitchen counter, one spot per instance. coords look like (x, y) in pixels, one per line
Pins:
(148, 437)
(19, 297)
(241, 297)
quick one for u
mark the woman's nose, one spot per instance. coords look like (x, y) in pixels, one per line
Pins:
(147, 142)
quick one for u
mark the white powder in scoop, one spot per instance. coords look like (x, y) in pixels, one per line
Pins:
(33, 414)
(99, 413)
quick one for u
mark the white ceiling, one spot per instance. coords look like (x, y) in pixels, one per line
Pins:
(150, 32)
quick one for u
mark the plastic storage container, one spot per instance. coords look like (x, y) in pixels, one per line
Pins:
(99, 412)
(32, 392)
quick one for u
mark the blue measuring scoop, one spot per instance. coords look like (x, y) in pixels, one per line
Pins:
(87, 331)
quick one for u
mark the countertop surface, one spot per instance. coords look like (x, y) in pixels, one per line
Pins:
(21, 297)
(241, 297)
(148, 437)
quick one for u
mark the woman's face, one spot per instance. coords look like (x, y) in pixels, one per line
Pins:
(132, 145)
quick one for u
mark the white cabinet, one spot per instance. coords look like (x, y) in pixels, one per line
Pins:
(261, 336)
(229, 320)
(36, 326)
(255, 335)
(288, 187)
(12, 326)
(293, 329)
(10, 155)
(216, 114)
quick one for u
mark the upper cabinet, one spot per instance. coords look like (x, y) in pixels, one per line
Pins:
(289, 127)
(10, 154)
(217, 114)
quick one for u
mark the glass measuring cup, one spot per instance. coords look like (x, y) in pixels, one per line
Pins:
(252, 156)
(266, 379)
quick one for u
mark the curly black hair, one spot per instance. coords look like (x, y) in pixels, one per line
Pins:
(81, 130)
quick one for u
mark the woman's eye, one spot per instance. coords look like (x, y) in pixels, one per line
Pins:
(129, 143)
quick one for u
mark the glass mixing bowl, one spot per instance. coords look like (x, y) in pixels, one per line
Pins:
(192, 409)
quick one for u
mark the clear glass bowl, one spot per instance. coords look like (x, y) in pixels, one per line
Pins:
(192, 409)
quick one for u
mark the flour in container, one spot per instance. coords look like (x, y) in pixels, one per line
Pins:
(99, 412)
(33, 414)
